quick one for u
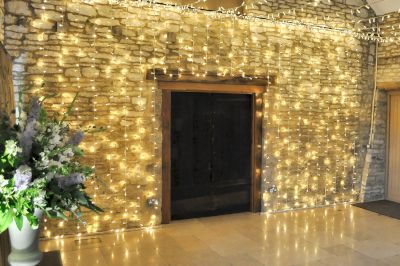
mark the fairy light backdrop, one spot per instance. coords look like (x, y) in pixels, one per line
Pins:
(389, 53)
(1, 20)
(315, 118)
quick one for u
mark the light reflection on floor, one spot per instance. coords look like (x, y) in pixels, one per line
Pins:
(342, 235)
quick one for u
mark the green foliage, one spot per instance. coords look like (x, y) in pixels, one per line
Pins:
(14, 206)
(51, 178)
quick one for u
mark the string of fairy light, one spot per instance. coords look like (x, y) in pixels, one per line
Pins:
(197, 41)
(359, 29)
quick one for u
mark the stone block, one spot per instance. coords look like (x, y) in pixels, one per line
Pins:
(73, 72)
(42, 24)
(90, 72)
(82, 9)
(18, 7)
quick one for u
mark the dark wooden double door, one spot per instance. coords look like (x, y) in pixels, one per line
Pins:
(211, 154)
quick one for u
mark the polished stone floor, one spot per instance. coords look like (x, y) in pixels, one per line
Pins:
(341, 235)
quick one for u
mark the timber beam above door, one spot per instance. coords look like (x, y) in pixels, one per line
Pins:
(388, 86)
(211, 77)
(205, 87)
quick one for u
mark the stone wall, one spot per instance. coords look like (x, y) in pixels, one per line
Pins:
(388, 71)
(374, 171)
(1, 20)
(389, 53)
(316, 118)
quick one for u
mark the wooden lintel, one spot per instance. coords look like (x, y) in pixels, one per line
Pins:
(389, 85)
(211, 87)
(210, 77)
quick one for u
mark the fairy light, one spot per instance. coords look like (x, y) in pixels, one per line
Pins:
(38, 84)
(164, 59)
(324, 120)
(244, 60)
(205, 48)
(220, 70)
(346, 122)
(353, 159)
(279, 18)
(110, 157)
(192, 55)
(257, 56)
(231, 52)
(281, 186)
(230, 58)
(180, 44)
(266, 138)
(154, 126)
(334, 121)
(43, 55)
(351, 150)
(126, 148)
(155, 152)
(287, 116)
(94, 90)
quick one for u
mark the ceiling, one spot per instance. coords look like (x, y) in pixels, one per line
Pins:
(384, 6)
(381, 7)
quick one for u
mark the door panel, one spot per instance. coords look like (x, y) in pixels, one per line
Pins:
(394, 149)
(211, 137)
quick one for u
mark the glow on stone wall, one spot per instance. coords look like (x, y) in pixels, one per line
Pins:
(312, 126)
(311, 118)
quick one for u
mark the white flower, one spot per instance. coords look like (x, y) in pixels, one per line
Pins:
(3, 182)
(11, 148)
(55, 141)
(22, 119)
(40, 201)
(22, 177)
(44, 160)
(56, 129)
(66, 156)
(50, 176)
(69, 152)
(55, 163)
(39, 137)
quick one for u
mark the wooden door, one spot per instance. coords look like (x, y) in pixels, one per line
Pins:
(393, 191)
(256, 92)
(211, 154)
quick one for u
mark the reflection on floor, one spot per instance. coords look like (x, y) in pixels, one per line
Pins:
(342, 235)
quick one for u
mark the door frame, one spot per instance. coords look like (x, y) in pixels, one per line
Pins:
(256, 160)
(390, 93)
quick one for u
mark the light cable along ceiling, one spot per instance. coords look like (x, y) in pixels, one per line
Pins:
(360, 22)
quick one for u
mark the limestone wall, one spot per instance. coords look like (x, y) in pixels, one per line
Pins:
(316, 118)
(374, 172)
(388, 71)
(1, 20)
(389, 53)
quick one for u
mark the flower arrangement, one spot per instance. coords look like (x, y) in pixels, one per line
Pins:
(40, 168)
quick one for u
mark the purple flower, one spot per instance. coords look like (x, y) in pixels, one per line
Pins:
(73, 179)
(30, 130)
(22, 177)
(76, 138)
(26, 139)
(34, 109)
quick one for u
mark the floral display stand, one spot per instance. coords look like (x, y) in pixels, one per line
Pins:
(40, 175)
